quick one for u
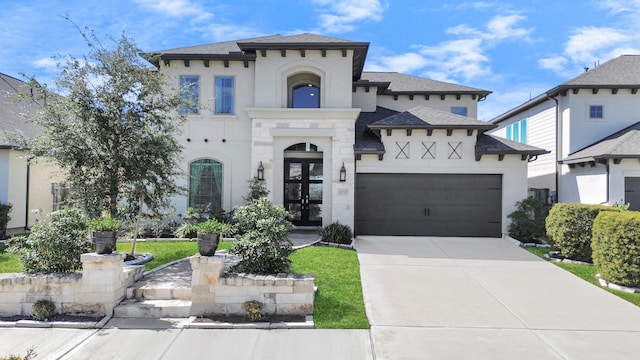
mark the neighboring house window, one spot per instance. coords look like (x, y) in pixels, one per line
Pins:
(596, 112)
(225, 91)
(60, 194)
(459, 110)
(205, 185)
(517, 131)
(190, 90)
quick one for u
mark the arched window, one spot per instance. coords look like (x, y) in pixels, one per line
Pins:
(205, 185)
(304, 90)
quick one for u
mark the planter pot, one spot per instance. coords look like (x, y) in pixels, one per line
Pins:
(105, 241)
(208, 243)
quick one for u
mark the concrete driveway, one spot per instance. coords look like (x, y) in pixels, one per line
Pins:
(486, 298)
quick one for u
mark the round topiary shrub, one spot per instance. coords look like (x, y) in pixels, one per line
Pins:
(528, 220)
(336, 233)
(616, 247)
(43, 310)
(569, 227)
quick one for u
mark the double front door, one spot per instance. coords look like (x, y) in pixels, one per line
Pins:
(303, 191)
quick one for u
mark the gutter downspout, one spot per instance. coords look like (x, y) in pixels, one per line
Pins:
(608, 175)
(558, 149)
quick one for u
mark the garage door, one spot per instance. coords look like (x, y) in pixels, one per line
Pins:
(429, 204)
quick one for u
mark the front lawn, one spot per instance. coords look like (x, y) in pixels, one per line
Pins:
(587, 273)
(165, 251)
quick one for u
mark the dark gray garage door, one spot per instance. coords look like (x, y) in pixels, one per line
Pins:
(632, 193)
(429, 204)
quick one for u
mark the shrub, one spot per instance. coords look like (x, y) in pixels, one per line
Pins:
(264, 246)
(253, 309)
(528, 220)
(104, 223)
(569, 227)
(336, 233)
(257, 190)
(55, 244)
(187, 230)
(616, 247)
(43, 310)
(31, 354)
(5, 209)
(213, 226)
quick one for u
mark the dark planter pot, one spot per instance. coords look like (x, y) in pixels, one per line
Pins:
(105, 241)
(208, 244)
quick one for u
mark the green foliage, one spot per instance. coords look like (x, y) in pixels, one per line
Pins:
(54, 244)
(253, 309)
(31, 354)
(622, 206)
(43, 310)
(528, 220)
(213, 226)
(569, 227)
(5, 210)
(616, 247)
(187, 230)
(113, 130)
(257, 190)
(264, 245)
(104, 223)
(336, 233)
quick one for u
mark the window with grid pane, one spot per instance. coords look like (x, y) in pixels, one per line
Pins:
(205, 185)
(224, 95)
(596, 111)
(190, 92)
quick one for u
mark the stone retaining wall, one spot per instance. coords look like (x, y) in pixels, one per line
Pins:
(214, 292)
(96, 291)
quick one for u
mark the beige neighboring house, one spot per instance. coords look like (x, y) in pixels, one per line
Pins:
(382, 152)
(26, 184)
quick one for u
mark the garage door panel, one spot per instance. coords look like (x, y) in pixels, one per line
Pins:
(429, 204)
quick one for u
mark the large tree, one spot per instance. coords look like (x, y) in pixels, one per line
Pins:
(111, 125)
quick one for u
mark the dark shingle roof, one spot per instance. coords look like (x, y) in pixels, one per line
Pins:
(366, 140)
(13, 113)
(489, 144)
(426, 118)
(401, 83)
(620, 145)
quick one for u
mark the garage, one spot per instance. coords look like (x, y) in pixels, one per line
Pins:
(429, 204)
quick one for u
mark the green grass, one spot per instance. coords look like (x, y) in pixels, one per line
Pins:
(165, 251)
(9, 263)
(587, 273)
(339, 303)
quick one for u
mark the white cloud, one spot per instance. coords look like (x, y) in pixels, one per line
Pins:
(224, 32)
(554, 63)
(404, 63)
(337, 16)
(585, 43)
(458, 59)
(177, 8)
(46, 63)
(503, 27)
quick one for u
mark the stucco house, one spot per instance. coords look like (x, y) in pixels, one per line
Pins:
(385, 153)
(590, 125)
(25, 184)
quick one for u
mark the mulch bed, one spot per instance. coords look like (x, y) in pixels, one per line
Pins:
(55, 318)
(239, 319)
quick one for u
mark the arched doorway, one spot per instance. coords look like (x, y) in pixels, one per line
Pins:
(303, 184)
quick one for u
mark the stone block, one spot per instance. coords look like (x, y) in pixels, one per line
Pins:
(307, 289)
(269, 280)
(292, 299)
(83, 309)
(259, 280)
(281, 280)
(294, 309)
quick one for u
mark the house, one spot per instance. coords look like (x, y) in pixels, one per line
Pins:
(24, 183)
(385, 153)
(590, 125)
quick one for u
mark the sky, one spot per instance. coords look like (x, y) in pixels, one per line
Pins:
(516, 49)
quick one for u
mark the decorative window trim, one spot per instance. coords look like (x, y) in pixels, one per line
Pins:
(429, 150)
(403, 149)
(455, 150)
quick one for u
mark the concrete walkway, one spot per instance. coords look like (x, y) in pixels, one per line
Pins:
(463, 298)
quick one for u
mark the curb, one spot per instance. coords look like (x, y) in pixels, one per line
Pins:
(56, 324)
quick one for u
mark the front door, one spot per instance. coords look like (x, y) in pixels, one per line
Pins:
(303, 191)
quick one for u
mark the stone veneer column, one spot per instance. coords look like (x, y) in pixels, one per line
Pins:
(204, 278)
(102, 280)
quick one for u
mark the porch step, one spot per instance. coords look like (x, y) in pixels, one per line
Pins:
(132, 308)
(142, 291)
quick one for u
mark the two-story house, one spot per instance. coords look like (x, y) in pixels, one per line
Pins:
(590, 125)
(388, 153)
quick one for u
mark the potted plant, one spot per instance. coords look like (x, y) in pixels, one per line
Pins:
(209, 233)
(104, 230)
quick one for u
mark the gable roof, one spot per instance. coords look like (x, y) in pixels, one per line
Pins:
(247, 49)
(366, 141)
(622, 72)
(427, 118)
(489, 144)
(396, 83)
(13, 112)
(623, 144)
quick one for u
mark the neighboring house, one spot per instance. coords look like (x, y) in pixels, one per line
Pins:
(25, 184)
(390, 154)
(590, 125)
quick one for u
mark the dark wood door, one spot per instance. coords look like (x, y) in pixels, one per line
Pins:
(429, 204)
(303, 190)
(632, 193)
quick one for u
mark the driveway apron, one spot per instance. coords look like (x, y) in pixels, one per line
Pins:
(486, 298)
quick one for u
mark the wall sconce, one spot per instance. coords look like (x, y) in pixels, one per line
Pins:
(260, 172)
(343, 173)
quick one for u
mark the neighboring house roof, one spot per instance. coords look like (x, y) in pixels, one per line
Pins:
(489, 144)
(246, 50)
(427, 118)
(14, 113)
(623, 144)
(394, 83)
(622, 72)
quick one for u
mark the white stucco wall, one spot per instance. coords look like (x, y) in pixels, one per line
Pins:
(404, 102)
(512, 168)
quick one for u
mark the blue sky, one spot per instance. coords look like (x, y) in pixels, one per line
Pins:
(516, 49)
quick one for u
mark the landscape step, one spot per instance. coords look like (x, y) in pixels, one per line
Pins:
(132, 308)
(155, 292)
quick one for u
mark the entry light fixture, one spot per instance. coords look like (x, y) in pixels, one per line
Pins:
(343, 173)
(260, 172)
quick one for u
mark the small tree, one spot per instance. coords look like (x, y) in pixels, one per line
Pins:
(111, 125)
(5, 210)
(528, 220)
(257, 190)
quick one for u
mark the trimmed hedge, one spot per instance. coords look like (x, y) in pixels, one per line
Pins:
(616, 247)
(569, 227)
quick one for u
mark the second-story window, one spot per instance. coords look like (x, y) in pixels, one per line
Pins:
(459, 110)
(596, 112)
(224, 95)
(190, 92)
(518, 131)
(306, 96)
